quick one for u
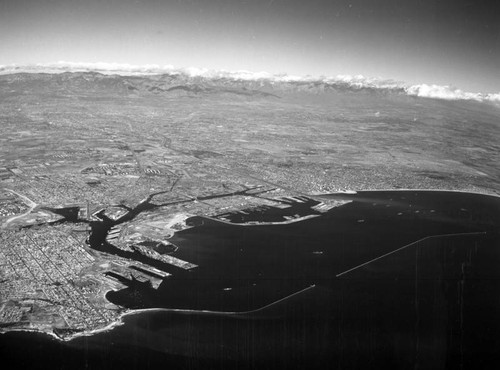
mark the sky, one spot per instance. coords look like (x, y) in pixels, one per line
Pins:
(444, 42)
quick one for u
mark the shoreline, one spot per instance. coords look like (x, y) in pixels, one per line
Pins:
(70, 337)
(355, 192)
(256, 223)
(120, 319)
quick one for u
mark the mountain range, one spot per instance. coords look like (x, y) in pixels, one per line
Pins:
(192, 81)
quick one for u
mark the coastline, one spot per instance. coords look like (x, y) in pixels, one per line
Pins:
(70, 337)
(354, 192)
(255, 223)
(133, 312)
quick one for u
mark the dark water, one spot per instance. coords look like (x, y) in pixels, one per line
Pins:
(242, 268)
(101, 228)
(69, 213)
(403, 279)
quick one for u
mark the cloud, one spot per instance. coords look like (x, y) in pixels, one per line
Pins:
(495, 98)
(355, 82)
(360, 82)
(449, 93)
(442, 92)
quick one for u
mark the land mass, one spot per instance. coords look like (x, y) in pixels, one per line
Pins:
(249, 202)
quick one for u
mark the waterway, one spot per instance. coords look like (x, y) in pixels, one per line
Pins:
(393, 279)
